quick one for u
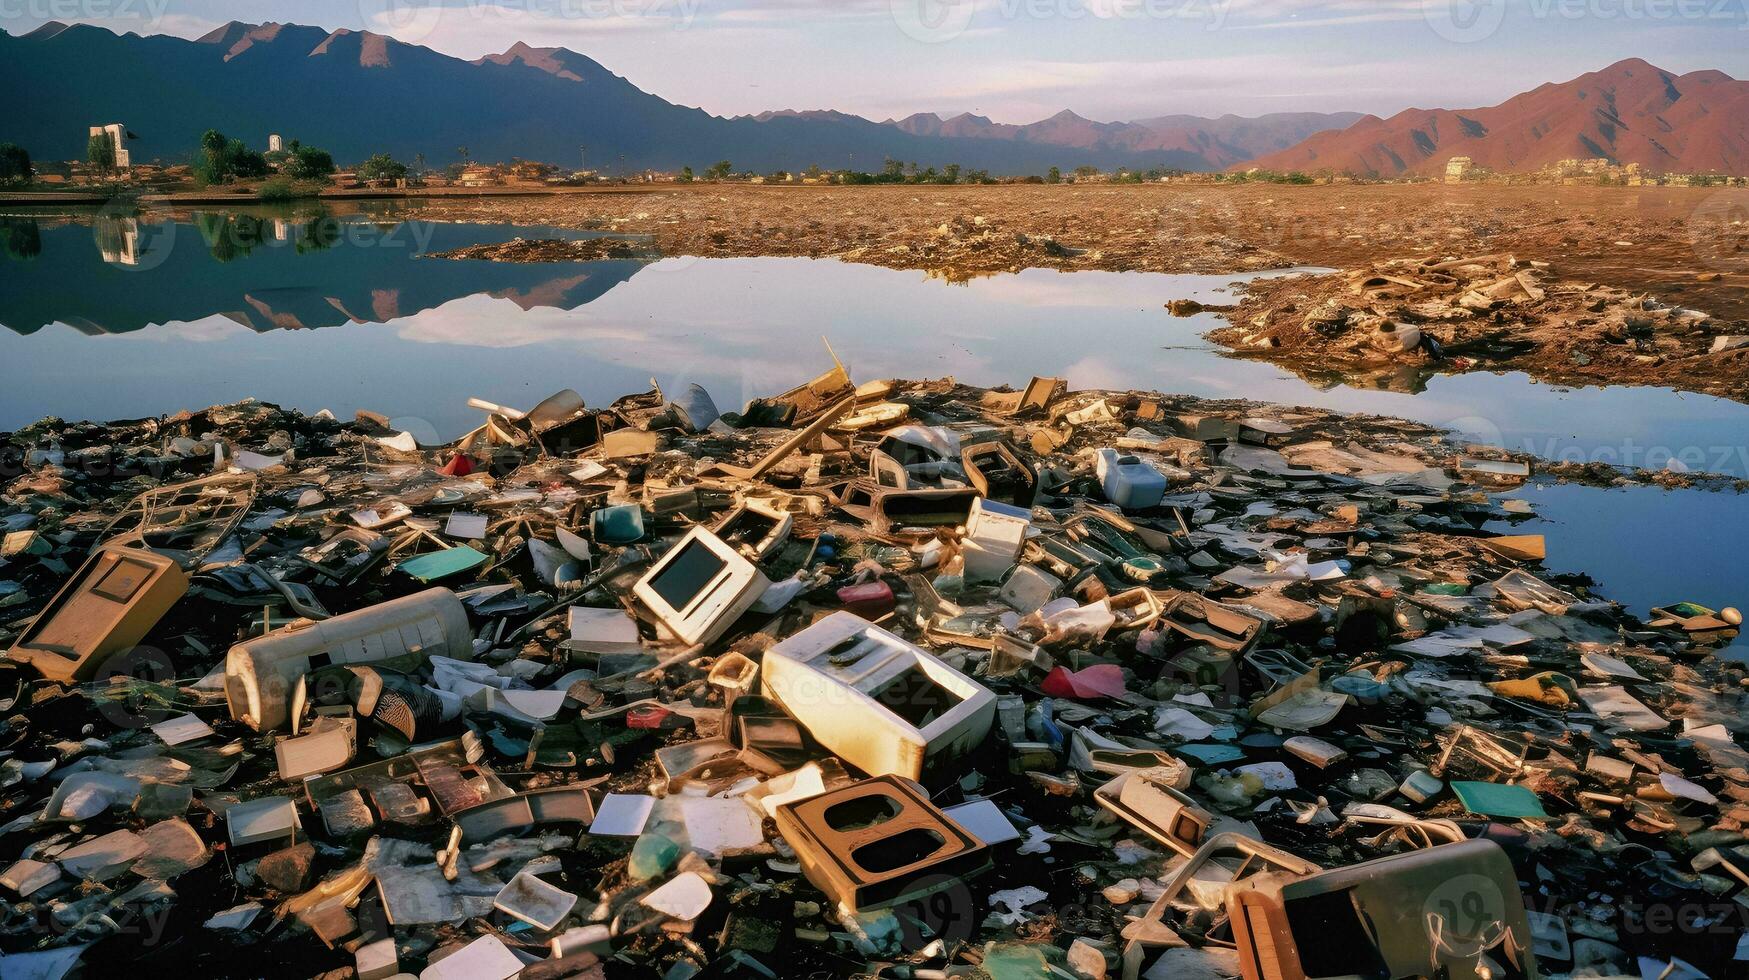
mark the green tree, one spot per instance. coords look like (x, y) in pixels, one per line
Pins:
(231, 236)
(100, 152)
(382, 167)
(14, 163)
(950, 174)
(719, 170)
(1086, 170)
(321, 234)
(1055, 176)
(222, 159)
(686, 175)
(20, 238)
(308, 163)
(813, 172)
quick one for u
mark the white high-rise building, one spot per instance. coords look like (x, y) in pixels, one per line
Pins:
(118, 137)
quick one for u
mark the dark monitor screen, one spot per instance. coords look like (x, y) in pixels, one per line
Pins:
(917, 699)
(681, 580)
(1333, 938)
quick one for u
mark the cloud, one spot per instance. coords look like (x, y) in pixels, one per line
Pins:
(1130, 88)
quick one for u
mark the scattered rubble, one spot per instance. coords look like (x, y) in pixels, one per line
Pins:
(1487, 312)
(554, 250)
(899, 678)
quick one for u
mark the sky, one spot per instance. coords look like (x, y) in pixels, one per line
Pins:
(1022, 60)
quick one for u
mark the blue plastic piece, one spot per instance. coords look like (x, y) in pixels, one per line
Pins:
(622, 524)
(1128, 482)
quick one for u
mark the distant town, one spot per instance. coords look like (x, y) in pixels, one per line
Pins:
(289, 169)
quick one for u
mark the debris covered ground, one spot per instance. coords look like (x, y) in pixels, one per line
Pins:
(1488, 312)
(902, 679)
(1681, 247)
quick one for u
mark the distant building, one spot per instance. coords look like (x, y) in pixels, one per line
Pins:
(118, 240)
(479, 176)
(1457, 168)
(117, 134)
(275, 144)
(530, 172)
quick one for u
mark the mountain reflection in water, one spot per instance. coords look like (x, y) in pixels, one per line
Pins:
(110, 274)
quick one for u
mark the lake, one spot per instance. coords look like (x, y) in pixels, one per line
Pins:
(114, 317)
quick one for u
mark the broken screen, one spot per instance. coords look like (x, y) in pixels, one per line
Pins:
(1332, 937)
(686, 575)
(917, 699)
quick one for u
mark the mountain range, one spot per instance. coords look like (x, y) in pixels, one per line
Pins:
(1630, 112)
(356, 93)
(1219, 142)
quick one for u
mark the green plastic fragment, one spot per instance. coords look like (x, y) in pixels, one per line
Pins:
(1499, 800)
(442, 564)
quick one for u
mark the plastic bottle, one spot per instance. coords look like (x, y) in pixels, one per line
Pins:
(1128, 482)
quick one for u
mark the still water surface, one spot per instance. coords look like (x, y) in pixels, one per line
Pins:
(113, 318)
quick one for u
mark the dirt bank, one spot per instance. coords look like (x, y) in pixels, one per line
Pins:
(1687, 245)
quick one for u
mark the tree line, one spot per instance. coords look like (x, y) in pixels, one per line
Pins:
(221, 160)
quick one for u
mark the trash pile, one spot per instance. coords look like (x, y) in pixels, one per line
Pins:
(555, 250)
(1490, 312)
(903, 679)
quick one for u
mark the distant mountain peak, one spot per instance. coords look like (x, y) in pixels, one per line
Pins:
(1631, 112)
(562, 62)
(227, 34)
(238, 37)
(47, 30)
(1629, 65)
(373, 50)
(825, 115)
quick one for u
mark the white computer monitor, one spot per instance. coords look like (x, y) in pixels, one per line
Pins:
(700, 587)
